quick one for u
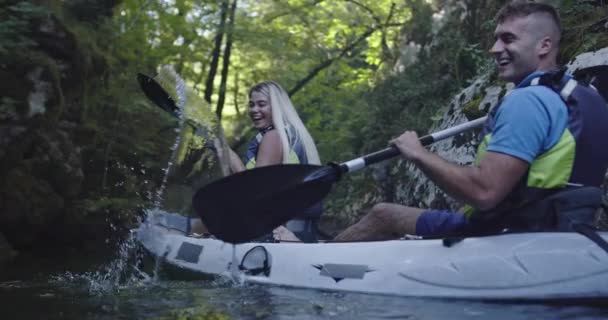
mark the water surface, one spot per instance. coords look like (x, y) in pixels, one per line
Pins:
(84, 286)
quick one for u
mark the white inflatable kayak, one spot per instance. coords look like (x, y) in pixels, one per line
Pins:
(522, 266)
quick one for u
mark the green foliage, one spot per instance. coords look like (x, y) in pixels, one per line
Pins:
(584, 28)
(14, 25)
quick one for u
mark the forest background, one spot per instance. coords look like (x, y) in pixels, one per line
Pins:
(83, 153)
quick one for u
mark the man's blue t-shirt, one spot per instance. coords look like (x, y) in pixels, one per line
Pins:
(530, 121)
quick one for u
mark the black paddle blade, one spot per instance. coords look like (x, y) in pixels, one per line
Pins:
(249, 204)
(157, 94)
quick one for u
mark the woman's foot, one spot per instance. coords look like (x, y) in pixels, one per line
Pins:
(198, 229)
(283, 234)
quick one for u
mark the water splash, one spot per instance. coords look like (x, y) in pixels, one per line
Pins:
(125, 270)
(158, 199)
(193, 113)
(168, 78)
(122, 272)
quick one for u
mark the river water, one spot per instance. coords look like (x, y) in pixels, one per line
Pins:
(104, 284)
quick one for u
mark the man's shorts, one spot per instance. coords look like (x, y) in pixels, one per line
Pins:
(439, 222)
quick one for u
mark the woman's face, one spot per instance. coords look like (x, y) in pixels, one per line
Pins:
(260, 110)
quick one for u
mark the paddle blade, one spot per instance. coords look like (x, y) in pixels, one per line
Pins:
(157, 94)
(249, 204)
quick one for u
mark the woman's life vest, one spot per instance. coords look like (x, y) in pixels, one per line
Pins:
(297, 154)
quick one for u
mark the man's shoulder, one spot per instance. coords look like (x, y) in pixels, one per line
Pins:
(538, 96)
(532, 106)
(538, 91)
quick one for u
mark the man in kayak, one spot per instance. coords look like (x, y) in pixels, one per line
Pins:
(529, 146)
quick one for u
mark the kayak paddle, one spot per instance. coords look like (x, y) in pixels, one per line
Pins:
(251, 203)
(157, 94)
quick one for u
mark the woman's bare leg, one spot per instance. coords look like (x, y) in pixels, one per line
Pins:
(197, 226)
(281, 233)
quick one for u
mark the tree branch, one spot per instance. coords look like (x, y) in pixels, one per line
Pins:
(368, 9)
(325, 64)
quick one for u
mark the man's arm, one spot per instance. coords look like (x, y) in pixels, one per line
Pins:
(483, 186)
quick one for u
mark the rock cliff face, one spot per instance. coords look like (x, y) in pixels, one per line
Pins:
(41, 170)
(472, 102)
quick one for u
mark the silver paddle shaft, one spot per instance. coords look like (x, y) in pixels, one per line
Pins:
(390, 152)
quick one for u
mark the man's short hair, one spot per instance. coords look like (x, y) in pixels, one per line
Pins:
(519, 9)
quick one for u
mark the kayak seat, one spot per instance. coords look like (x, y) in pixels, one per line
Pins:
(559, 211)
(304, 229)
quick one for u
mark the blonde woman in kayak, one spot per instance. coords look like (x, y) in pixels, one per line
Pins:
(282, 138)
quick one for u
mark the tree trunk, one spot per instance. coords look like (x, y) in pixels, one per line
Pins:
(236, 92)
(215, 54)
(226, 62)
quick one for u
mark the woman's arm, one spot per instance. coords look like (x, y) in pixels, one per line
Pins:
(236, 165)
(270, 151)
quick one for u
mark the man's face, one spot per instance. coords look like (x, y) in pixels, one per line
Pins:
(516, 49)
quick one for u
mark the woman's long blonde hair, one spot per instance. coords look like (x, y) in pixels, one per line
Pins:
(283, 115)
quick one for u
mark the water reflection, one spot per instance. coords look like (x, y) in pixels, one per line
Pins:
(219, 299)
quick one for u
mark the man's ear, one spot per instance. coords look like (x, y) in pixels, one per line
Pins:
(545, 46)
